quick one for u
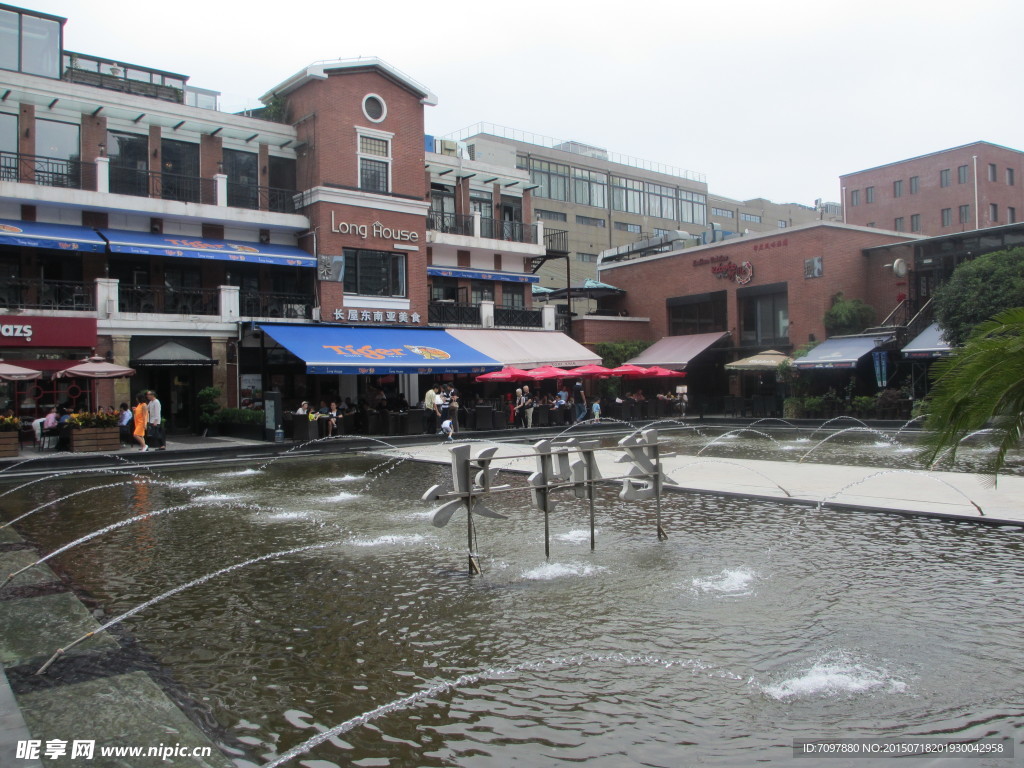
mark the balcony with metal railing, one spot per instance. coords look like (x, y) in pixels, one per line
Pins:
(287, 305)
(451, 223)
(257, 198)
(26, 293)
(47, 171)
(159, 299)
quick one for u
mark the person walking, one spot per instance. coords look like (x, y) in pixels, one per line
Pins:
(141, 420)
(528, 405)
(156, 423)
(580, 398)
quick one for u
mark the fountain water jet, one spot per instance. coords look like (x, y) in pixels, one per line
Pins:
(170, 593)
(86, 490)
(884, 472)
(876, 432)
(732, 432)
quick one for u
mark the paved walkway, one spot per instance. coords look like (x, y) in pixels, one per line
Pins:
(918, 492)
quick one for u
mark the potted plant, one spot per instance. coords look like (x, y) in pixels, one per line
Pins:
(864, 406)
(813, 406)
(9, 428)
(207, 401)
(94, 432)
(793, 408)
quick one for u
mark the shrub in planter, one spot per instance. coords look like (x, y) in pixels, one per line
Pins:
(793, 408)
(864, 405)
(813, 406)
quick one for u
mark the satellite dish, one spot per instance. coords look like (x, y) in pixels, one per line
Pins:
(899, 268)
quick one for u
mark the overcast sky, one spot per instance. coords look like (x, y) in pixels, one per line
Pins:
(766, 99)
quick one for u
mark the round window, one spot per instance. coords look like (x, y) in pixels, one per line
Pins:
(374, 108)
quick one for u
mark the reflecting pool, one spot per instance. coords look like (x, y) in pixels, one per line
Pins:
(753, 625)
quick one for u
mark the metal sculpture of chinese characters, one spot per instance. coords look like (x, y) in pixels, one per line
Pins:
(569, 465)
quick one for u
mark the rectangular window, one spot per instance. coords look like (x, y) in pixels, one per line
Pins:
(1011, 215)
(898, 224)
(692, 207)
(374, 273)
(721, 213)
(751, 217)
(660, 232)
(550, 215)
(855, 197)
(915, 222)
(624, 227)
(661, 201)
(703, 313)
(590, 258)
(765, 319)
(961, 174)
(513, 295)
(947, 217)
(964, 212)
(915, 185)
(897, 188)
(783, 223)
(869, 194)
(552, 179)
(993, 213)
(590, 221)
(590, 187)
(444, 288)
(481, 290)
(627, 195)
(1010, 177)
(9, 143)
(374, 164)
(481, 202)
(813, 267)
(944, 178)
(993, 172)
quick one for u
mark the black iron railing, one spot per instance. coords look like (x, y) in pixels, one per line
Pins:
(517, 317)
(514, 231)
(452, 223)
(556, 240)
(257, 198)
(450, 313)
(20, 293)
(153, 299)
(168, 186)
(42, 170)
(290, 305)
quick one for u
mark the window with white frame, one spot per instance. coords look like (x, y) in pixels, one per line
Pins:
(374, 162)
(590, 258)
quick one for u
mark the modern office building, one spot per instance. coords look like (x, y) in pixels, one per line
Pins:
(605, 200)
(295, 249)
(970, 187)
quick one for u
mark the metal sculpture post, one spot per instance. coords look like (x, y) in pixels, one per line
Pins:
(556, 470)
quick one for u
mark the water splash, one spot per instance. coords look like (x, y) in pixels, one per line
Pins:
(789, 424)
(735, 582)
(94, 470)
(579, 536)
(380, 541)
(551, 571)
(911, 421)
(744, 467)
(834, 674)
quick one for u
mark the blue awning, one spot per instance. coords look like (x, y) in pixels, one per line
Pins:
(62, 237)
(187, 246)
(347, 349)
(928, 345)
(479, 274)
(841, 351)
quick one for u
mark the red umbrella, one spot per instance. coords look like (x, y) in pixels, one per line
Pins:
(508, 373)
(591, 370)
(657, 372)
(95, 368)
(631, 371)
(549, 372)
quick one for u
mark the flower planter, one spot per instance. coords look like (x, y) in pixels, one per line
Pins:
(8, 445)
(95, 440)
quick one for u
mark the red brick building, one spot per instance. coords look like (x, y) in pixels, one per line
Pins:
(969, 187)
(747, 294)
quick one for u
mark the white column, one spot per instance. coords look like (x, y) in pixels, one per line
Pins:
(547, 317)
(221, 182)
(229, 303)
(476, 223)
(102, 174)
(487, 314)
(107, 298)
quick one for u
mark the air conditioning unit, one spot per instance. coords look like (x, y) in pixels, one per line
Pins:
(449, 148)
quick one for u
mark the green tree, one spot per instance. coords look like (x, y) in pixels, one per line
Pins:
(847, 316)
(981, 383)
(979, 290)
(613, 354)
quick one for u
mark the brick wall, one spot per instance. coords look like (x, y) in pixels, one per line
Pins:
(932, 197)
(777, 258)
